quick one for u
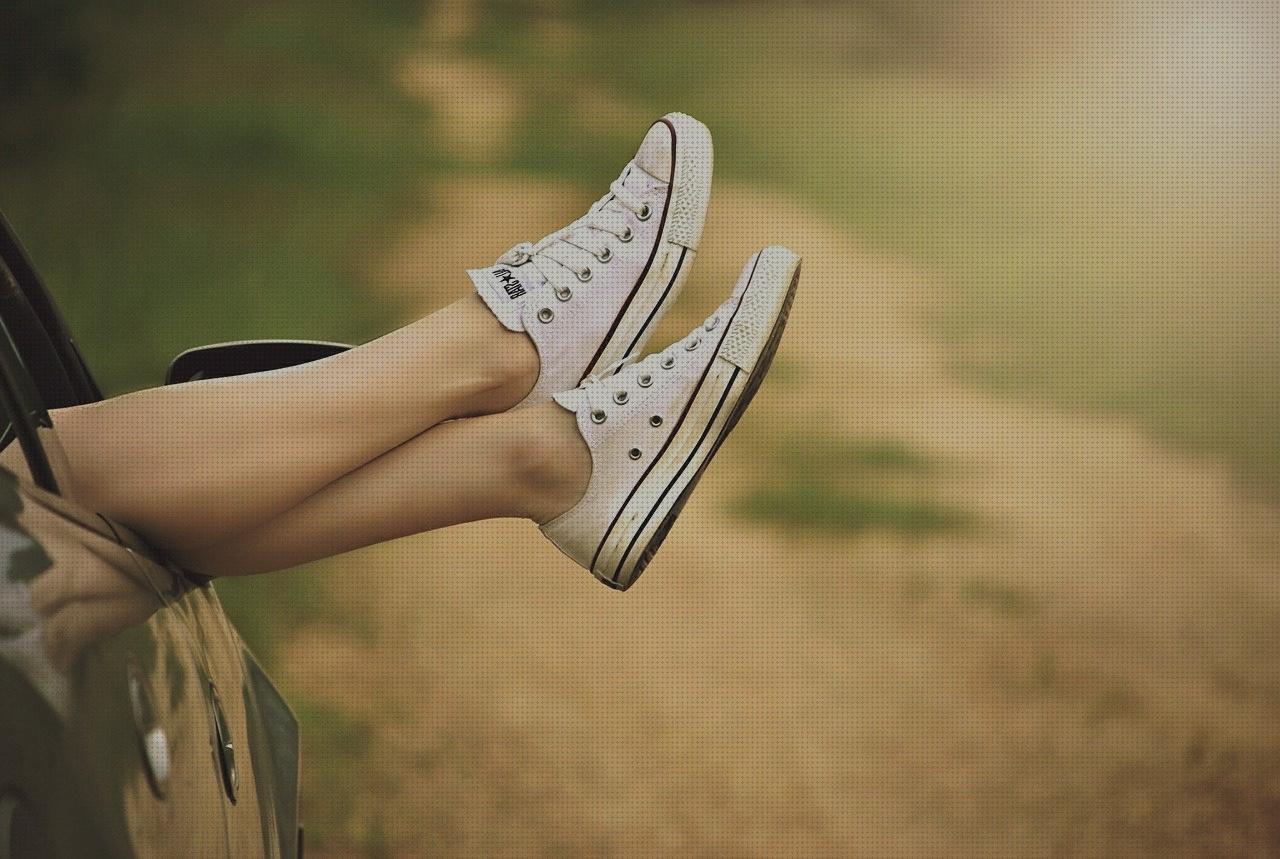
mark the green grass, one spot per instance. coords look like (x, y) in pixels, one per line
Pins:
(267, 608)
(337, 746)
(823, 507)
(833, 455)
(999, 598)
(829, 483)
(227, 173)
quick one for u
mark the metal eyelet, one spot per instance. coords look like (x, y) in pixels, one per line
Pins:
(712, 323)
(635, 453)
(645, 381)
(655, 421)
(621, 398)
(626, 235)
(564, 293)
(693, 344)
(546, 314)
(645, 213)
(668, 362)
(598, 416)
(605, 255)
(584, 275)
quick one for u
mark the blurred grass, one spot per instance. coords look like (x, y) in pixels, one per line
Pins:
(1000, 598)
(225, 174)
(336, 746)
(1106, 243)
(832, 454)
(828, 483)
(822, 506)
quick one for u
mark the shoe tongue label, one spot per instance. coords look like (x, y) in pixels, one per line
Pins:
(508, 281)
(503, 288)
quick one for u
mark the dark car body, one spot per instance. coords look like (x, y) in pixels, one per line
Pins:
(167, 738)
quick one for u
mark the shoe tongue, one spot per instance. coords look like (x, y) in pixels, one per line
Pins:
(503, 288)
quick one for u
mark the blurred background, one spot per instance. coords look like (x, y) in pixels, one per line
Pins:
(994, 562)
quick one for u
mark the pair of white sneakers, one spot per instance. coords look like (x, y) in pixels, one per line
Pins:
(590, 296)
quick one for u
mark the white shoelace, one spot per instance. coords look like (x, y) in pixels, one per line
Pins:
(586, 241)
(608, 372)
(665, 360)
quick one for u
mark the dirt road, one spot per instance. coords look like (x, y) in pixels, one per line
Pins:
(1093, 667)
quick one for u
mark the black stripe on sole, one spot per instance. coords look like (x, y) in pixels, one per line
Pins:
(697, 448)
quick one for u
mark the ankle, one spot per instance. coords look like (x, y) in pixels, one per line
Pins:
(547, 461)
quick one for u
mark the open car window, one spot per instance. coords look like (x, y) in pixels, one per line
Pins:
(28, 446)
(27, 436)
(40, 335)
(40, 369)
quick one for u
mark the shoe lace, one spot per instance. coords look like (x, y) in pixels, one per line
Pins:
(612, 370)
(666, 359)
(587, 240)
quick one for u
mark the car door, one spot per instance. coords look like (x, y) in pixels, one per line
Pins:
(165, 736)
(253, 734)
(113, 757)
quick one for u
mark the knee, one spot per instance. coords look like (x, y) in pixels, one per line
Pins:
(500, 373)
(515, 367)
(534, 463)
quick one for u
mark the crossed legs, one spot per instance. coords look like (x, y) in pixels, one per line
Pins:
(527, 463)
(254, 473)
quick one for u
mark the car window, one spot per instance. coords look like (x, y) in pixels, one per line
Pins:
(39, 333)
(42, 370)
(28, 447)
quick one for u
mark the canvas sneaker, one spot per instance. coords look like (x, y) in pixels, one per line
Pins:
(653, 426)
(591, 294)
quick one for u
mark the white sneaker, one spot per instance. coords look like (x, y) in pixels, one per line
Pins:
(654, 426)
(591, 294)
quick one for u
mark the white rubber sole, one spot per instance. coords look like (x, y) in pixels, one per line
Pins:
(742, 360)
(677, 245)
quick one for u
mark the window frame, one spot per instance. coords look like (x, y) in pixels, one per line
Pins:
(60, 374)
(40, 365)
(19, 399)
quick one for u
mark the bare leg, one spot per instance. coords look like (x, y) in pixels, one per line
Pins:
(197, 462)
(529, 463)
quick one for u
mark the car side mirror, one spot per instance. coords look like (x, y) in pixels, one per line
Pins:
(246, 356)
